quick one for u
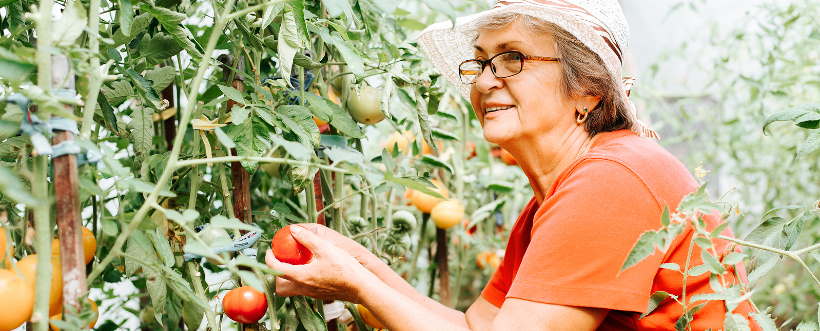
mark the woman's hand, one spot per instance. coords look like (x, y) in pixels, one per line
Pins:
(332, 274)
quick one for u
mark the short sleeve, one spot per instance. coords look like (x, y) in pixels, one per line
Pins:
(581, 236)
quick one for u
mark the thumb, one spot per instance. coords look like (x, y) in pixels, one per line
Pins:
(309, 239)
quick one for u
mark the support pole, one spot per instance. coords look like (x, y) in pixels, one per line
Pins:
(66, 184)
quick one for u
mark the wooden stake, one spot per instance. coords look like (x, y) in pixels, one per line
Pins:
(443, 270)
(69, 224)
(240, 178)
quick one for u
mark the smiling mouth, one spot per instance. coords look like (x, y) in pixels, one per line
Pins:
(495, 109)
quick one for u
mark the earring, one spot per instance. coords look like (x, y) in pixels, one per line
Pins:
(581, 117)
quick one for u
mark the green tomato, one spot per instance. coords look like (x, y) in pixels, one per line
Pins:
(364, 104)
(403, 221)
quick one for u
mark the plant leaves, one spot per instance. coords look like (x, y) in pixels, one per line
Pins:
(642, 249)
(125, 16)
(159, 47)
(172, 22)
(655, 300)
(142, 130)
(339, 118)
(13, 188)
(70, 25)
(232, 94)
(161, 77)
(288, 44)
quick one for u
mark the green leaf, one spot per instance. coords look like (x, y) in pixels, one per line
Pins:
(239, 114)
(162, 247)
(186, 217)
(143, 187)
(736, 322)
(232, 224)
(138, 25)
(335, 8)
(311, 320)
(443, 135)
(704, 243)
(764, 321)
(15, 71)
(161, 77)
(655, 300)
(805, 116)
(733, 258)
(145, 87)
(670, 266)
(665, 216)
(13, 188)
(712, 262)
(224, 139)
(249, 278)
(299, 120)
(251, 139)
(642, 249)
(339, 118)
(232, 94)
(159, 47)
(125, 16)
(157, 291)
(288, 44)
(138, 251)
(118, 92)
(716, 232)
(171, 22)
(435, 162)
(349, 54)
(296, 150)
(683, 322)
(142, 130)
(70, 26)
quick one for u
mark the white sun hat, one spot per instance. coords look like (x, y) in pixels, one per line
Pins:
(599, 24)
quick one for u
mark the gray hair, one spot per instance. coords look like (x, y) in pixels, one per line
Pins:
(583, 73)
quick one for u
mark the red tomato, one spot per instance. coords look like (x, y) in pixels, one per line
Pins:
(245, 305)
(287, 249)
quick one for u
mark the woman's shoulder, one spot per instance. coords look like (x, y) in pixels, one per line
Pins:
(623, 153)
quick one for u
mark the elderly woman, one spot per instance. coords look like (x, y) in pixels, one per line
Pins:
(544, 79)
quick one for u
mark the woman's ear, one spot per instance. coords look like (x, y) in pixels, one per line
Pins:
(589, 102)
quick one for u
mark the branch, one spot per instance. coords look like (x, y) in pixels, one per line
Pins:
(225, 159)
(794, 255)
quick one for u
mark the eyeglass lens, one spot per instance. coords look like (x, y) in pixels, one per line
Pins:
(502, 65)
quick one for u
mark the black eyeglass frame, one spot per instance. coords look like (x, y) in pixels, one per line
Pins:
(483, 64)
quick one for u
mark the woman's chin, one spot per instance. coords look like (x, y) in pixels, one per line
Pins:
(497, 135)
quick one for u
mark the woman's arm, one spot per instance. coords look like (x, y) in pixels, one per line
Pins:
(383, 271)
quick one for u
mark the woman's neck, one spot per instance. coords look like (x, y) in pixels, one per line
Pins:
(543, 158)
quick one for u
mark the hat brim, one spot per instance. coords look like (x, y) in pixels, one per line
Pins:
(447, 45)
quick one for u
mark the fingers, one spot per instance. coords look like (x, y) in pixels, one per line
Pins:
(311, 240)
(286, 288)
(286, 268)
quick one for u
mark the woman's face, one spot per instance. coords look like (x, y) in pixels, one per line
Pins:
(532, 102)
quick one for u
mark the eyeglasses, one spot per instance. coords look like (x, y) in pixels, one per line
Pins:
(502, 65)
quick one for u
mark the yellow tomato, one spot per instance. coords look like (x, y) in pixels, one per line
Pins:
(28, 267)
(89, 246)
(5, 262)
(17, 300)
(425, 202)
(447, 213)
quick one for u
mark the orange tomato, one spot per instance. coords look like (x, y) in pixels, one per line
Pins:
(397, 139)
(17, 302)
(28, 268)
(447, 213)
(245, 304)
(89, 246)
(369, 318)
(488, 259)
(4, 262)
(59, 317)
(425, 202)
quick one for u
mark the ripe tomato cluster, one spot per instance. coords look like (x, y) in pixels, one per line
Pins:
(17, 281)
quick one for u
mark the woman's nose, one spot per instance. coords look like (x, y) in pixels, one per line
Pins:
(486, 80)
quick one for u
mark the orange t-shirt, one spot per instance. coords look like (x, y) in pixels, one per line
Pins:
(569, 249)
